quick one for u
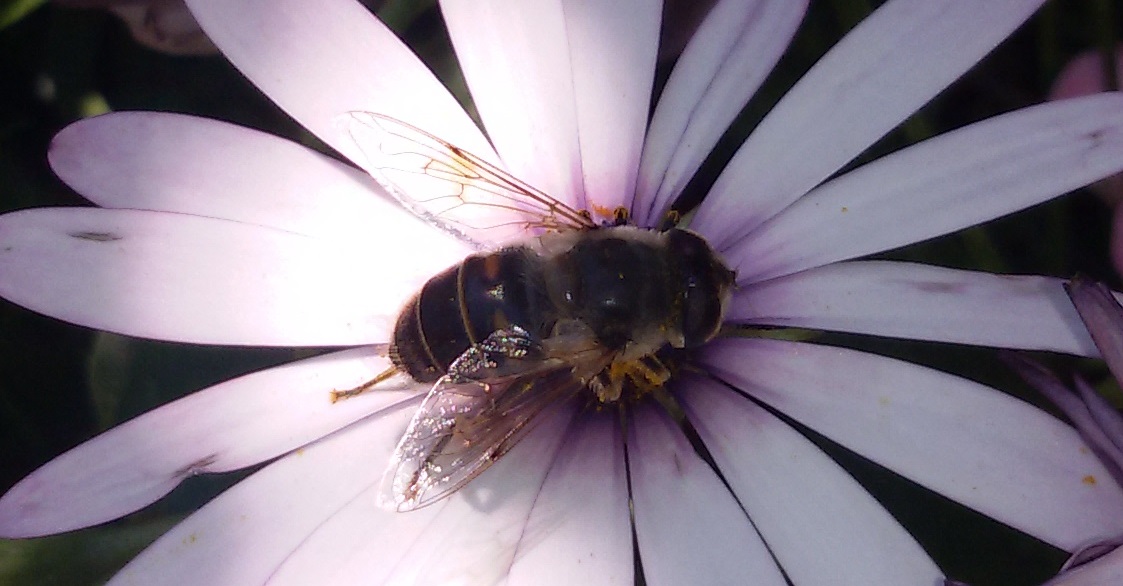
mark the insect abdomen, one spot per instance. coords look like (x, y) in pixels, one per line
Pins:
(462, 306)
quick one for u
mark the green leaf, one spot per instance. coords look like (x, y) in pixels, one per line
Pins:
(89, 556)
(11, 11)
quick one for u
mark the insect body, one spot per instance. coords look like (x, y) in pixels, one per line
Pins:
(578, 308)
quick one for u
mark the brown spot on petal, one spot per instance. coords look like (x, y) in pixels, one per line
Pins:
(937, 287)
(678, 464)
(197, 467)
(96, 236)
(1089, 480)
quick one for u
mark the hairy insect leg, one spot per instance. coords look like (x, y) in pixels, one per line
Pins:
(370, 384)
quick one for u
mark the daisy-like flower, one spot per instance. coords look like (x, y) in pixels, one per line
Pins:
(1099, 423)
(1083, 75)
(212, 233)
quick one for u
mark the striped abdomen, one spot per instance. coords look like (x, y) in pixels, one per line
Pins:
(463, 305)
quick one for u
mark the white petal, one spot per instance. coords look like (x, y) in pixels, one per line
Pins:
(358, 544)
(920, 302)
(188, 278)
(475, 537)
(580, 529)
(361, 544)
(228, 426)
(689, 527)
(203, 167)
(1104, 571)
(243, 535)
(959, 179)
(515, 58)
(612, 46)
(563, 88)
(972, 444)
(724, 63)
(319, 60)
(469, 538)
(821, 525)
(890, 65)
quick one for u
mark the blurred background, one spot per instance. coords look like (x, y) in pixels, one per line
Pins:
(61, 384)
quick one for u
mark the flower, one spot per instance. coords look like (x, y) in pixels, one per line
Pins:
(1083, 75)
(1098, 422)
(211, 233)
(162, 25)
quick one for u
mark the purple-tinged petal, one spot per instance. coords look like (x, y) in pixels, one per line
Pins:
(193, 279)
(360, 543)
(469, 538)
(232, 425)
(953, 181)
(1106, 416)
(613, 45)
(580, 529)
(563, 88)
(1078, 411)
(202, 167)
(515, 58)
(1092, 551)
(725, 62)
(1102, 314)
(1103, 571)
(919, 302)
(821, 525)
(320, 60)
(244, 534)
(689, 527)
(985, 449)
(890, 65)
(476, 536)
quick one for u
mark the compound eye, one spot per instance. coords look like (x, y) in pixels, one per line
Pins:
(702, 309)
(705, 287)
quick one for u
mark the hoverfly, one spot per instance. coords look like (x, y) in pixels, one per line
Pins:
(577, 307)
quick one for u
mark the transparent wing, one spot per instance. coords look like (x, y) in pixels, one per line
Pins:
(478, 412)
(452, 188)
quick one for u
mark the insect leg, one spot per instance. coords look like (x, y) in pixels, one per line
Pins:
(370, 384)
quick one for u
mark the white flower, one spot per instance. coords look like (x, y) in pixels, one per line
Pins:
(211, 233)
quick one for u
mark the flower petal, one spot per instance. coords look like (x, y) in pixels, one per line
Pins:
(1096, 420)
(580, 529)
(1101, 313)
(613, 45)
(515, 59)
(358, 544)
(725, 62)
(563, 88)
(244, 534)
(890, 65)
(232, 425)
(919, 302)
(985, 449)
(1104, 571)
(821, 525)
(474, 539)
(320, 60)
(362, 544)
(203, 167)
(959, 179)
(689, 528)
(193, 279)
